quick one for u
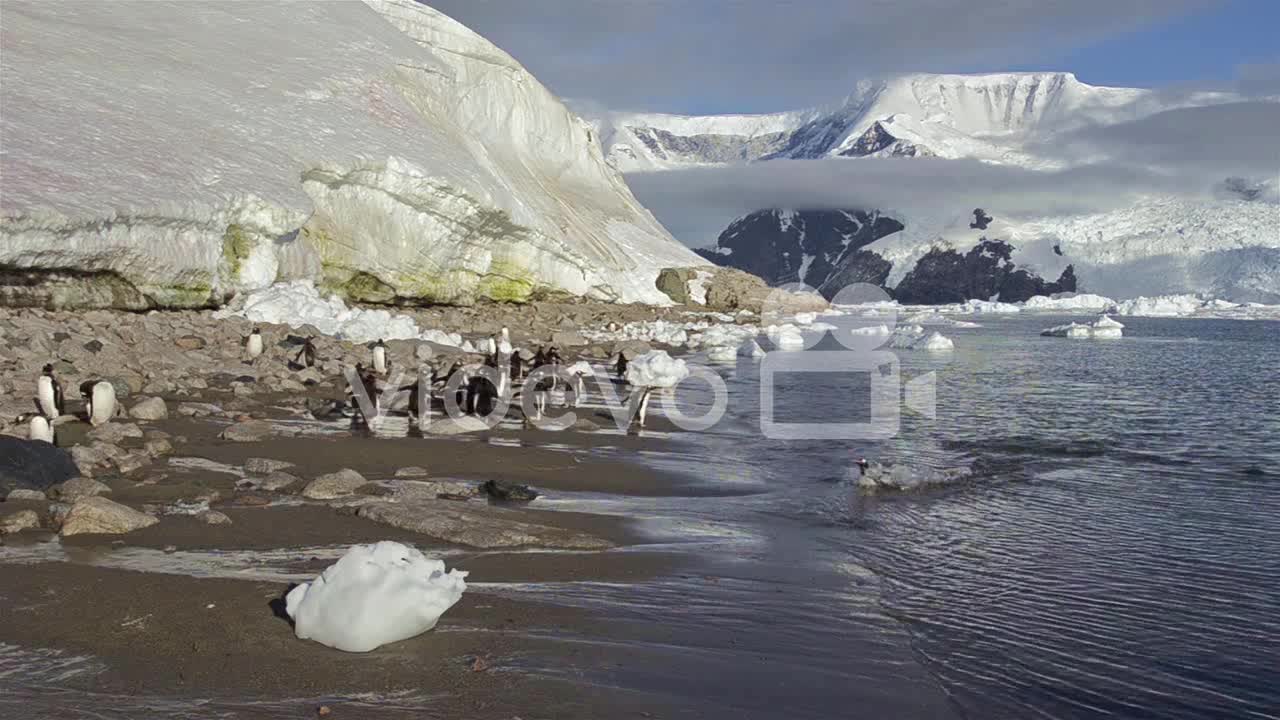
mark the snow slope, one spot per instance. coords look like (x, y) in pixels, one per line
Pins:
(1223, 244)
(383, 149)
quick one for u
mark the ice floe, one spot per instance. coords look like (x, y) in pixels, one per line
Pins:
(374, 595)
(656, 369)
(1104, 328)
(914, 337)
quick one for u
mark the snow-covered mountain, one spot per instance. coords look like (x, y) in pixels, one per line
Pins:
(170, 153)
(1224, 244)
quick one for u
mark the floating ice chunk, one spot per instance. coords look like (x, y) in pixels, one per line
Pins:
(656, 369)
(964, 324)
(934, 342)
(822, 327)
(1069, 301)
(374, 595)
(751, 349)
(785, 337)
(990, 307)
(870, 330)
(722, 354)
(806, 318)
(1105, 327)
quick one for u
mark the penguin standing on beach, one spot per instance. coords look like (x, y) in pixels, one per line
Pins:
(369, 382)
(381, 364)
(640, 411)
(504, 342)
(40, 429)
(49, 394)
(307, 355)
(99, 401)
(620, 367)
(253, 344)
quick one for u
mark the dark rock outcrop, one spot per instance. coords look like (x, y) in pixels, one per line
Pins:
(33, 465)
(986, 271)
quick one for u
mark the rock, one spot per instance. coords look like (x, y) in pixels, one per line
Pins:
(115, 433)
(411, 472)
(190, 342)
(26, 494)
(264, 466)
(100, 516)
(567, 338)
(158, 447)
(585, 425)
(456, 426)
(33, 465)
(248, 431)
(455, 523)
(71, 431)
(675, 283)
(278, 481)
(374, 489)
(131, 462)
(19, 521)
(198, 409)
(730, 289)
(58, 514)
(150, 409)
(424, 490)
(213, 517)
(334, 485)
(77, 488)
(502, 490)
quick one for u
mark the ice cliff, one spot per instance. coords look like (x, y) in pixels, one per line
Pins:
(171, 154)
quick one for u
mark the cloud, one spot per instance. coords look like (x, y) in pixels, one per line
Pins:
(766, 55)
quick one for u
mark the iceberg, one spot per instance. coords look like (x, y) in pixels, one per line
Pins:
(786, 337)
(1069, 302)
(1161, 306)
(722, 354)
(374, 595)
(913, 337)
(1103, 328)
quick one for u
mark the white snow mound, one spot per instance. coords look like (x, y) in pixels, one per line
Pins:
(374, 595)
(656, 369)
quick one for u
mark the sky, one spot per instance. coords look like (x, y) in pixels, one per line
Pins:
(749, 56)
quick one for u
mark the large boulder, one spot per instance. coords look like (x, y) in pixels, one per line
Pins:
(675, 283)
(150, 409)
(33, 465)
(334, 485)
(730, 290)
(100, 516)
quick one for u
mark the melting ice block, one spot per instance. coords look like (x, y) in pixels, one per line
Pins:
(374, 595)
(656, 369)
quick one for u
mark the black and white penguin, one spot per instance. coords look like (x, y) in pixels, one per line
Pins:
(620, 367)
(381, 363)
(369, 382)
(504, 342)
(49, 394)
(99, 398)
(253, 344)
(307, 355)
(517, 367)
(641, 410)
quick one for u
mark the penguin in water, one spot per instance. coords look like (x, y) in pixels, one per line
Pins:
(253, 344)
(49, 394)
(381, 363)
(99, 401)
(307, 355)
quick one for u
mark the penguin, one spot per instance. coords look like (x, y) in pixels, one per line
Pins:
(539, 358)
(40, 429)
(369, 382)
(504, 342)
(49, 394)
(517, 366)
(307, 355)
(641, 411)
(99, 401)
(491, 346)
(253, 344)
(620, 367)
(381, 364)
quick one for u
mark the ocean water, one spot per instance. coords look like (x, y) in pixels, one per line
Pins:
(1113, 552)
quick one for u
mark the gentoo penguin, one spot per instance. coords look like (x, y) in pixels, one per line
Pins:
(307, 355)
(862, 464)
(253, 344)
(369, 383)
(49, 394)
(491, 346)
(40, 429)
(504, 342)
(99, 401)
(517, 366)
(620, 367)
(642, 409)
(381, 364)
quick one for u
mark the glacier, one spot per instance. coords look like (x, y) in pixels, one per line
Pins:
(379, 149)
